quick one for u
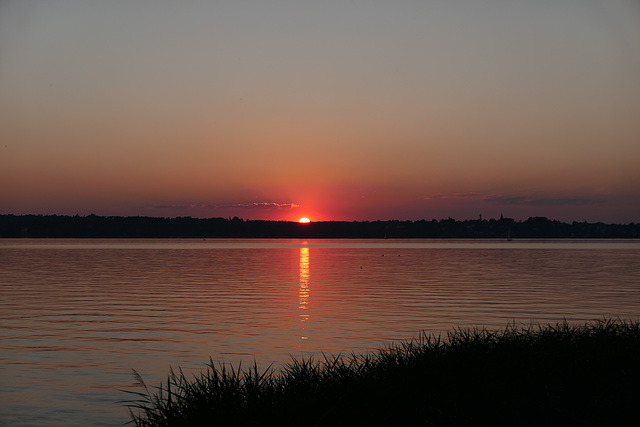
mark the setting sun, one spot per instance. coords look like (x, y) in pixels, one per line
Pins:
(304, 220)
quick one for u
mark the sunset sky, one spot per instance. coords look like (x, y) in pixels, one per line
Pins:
(333, 110)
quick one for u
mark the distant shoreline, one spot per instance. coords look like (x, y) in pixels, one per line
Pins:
(93, 226)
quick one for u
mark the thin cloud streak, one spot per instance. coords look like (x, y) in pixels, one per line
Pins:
(264, 205)
(553, 201)
(459, 196)
(502, 199)
(254, 205)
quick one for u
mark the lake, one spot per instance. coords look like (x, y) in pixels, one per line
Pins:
(78, 315)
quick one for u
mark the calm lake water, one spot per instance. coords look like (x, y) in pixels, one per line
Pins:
(78, 315)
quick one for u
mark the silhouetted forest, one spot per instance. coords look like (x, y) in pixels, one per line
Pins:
(92, 226)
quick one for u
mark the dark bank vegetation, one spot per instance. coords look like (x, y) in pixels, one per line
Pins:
(560, 374)
(92, 226)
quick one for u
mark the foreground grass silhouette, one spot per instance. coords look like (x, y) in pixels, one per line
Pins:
(559, 374)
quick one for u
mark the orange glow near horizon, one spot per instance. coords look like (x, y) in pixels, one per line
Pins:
(304, 220)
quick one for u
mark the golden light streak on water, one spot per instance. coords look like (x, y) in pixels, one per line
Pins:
(303, 289)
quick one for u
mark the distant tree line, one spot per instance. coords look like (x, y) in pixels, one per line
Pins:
(92, 226)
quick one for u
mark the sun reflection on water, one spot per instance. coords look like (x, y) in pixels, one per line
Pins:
(303, 288)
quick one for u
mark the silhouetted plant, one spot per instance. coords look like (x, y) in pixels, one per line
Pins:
(559, 374)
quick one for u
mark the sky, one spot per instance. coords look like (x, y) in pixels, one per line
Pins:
(333, 110)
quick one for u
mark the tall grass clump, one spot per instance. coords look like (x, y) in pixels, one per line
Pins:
(557, 374)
